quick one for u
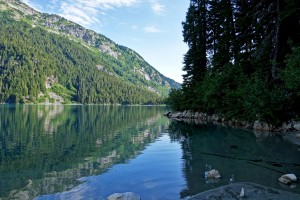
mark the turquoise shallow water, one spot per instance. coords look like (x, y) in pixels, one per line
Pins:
(90, 152)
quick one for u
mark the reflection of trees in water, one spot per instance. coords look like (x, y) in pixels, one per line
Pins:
(85, 140)
(249, 157)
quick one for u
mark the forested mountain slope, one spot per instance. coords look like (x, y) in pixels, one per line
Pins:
(48, 58)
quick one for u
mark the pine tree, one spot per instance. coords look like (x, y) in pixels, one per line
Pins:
(194, 33)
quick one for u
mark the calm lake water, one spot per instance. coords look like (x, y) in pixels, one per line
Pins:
(90, 152)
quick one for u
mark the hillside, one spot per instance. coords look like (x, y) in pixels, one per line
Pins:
(46, 58)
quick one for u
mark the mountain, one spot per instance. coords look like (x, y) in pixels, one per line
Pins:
(46, 58)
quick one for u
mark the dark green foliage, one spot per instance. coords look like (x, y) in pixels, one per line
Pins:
(252, 72)
(291, 77)
(29, 55)
(176, 99)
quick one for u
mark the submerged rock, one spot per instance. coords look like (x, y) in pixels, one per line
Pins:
(124, 196)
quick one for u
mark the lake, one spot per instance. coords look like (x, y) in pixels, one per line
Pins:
(92, 151)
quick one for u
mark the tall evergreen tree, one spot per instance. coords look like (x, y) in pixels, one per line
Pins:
(194, 33)
(221, 38)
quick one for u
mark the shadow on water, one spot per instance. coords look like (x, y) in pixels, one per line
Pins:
(46, 149)
(244, 155)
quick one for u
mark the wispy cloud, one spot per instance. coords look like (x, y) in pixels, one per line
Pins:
(84, 12)
(152, 29)
(87, 12)
(105, 4)
(157, 7)
(76, 13)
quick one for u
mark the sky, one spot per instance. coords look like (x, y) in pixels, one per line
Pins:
(152, 28)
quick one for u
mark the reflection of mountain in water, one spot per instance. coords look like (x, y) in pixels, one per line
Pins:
(260, 158)
(49, 114)
(45, 149)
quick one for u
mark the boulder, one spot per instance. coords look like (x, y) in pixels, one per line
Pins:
(177, 115)
(287, 126)
(263, 126)
(124, 196)
(287, 179)
(296, 126)
(291, 177)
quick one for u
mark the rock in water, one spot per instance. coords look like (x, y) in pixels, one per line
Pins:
(124, 196)
(287, 179)
(291, 177)
(213, 174)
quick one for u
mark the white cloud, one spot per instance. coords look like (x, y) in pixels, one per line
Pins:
(86, 12)
(157, 7)
(152, 29)
(76, 13)
(105, 4)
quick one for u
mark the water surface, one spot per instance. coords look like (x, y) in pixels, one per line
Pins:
(90, 152)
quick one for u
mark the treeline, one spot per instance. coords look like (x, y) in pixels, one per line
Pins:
(243, 59)
(28, 55)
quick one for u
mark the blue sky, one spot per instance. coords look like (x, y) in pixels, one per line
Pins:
(150, 27)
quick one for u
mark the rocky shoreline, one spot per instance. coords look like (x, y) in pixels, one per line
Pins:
(201, 118)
